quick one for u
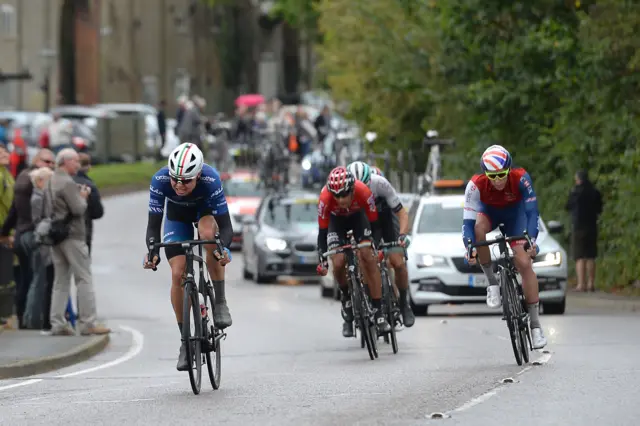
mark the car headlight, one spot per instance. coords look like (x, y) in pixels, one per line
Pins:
(427, 260)
(275, 244)
(548, 259)
(306, 165)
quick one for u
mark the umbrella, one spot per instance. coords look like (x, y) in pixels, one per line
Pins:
(249, 100)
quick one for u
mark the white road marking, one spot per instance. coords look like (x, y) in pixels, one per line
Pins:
(492, 392)
(134, 350)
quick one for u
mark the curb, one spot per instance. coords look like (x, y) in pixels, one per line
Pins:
(43, 365)
(603, 302)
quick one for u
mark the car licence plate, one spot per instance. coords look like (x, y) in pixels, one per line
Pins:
(306, 260)
(477, 281)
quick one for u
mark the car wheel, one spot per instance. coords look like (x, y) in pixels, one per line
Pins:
(554, 308)
(246, 274)
(420, 310)
(326, 292)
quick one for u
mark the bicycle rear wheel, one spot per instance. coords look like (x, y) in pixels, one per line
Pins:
(510, 315)
(191, 315)
(213, 343)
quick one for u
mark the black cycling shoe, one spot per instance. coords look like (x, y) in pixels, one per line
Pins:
(183, 361)
(347, 329)
(347, 310)
(381, 323)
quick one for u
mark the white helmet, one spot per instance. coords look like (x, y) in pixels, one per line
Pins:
(186, 161)
(361, 171)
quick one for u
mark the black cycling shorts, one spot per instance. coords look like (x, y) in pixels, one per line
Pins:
(178, 225)
(389, 224)
(339, 225)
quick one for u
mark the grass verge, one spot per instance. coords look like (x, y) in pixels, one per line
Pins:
(111, 178)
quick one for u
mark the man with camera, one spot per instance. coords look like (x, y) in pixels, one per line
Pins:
(71, 255)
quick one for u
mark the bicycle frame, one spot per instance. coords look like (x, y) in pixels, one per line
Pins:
(361, 305)
(513, 301)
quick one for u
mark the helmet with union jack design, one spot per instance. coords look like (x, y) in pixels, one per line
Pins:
(495, 158)
(340, 181)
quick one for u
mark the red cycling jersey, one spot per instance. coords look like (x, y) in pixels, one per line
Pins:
(362, 199)
(510, 195)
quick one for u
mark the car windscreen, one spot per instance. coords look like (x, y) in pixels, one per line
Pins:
(236, 187)
(280, 213)
(441, 217)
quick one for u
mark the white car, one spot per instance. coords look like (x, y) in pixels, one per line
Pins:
(437, 270)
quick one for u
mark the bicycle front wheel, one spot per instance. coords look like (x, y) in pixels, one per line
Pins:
(192, 334)
(510, 314)
(212, 339)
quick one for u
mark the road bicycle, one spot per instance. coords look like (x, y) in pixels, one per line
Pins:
(514, 306)
(198, 309)
(363, 314)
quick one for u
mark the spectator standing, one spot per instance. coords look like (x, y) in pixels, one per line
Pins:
(6, 184)
(162, 126)
(60, 134)
(95, 209)
(585, 205)
(38, 305)
(71, 256)
(21, 220)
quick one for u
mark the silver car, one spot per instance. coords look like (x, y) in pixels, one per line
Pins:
(437, 270)
(281, 240)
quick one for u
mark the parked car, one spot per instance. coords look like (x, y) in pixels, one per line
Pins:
(281, 239)
(437, 270)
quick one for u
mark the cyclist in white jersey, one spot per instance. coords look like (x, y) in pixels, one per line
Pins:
(395, 227)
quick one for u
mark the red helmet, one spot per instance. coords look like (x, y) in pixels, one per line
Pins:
(340, 181)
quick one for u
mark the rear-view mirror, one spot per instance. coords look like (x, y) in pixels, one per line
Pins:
(555, 227)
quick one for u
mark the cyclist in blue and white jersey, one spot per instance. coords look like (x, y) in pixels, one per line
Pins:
(193, 193)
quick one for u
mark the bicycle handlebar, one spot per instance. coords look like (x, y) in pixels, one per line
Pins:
(151, 245)
(346, 247)
(500, 239)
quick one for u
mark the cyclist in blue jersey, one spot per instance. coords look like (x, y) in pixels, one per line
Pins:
(193, 193)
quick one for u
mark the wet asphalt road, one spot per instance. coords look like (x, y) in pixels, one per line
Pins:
(286, 363)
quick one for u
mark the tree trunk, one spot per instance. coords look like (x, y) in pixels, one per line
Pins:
(291, 58)
(67, 58)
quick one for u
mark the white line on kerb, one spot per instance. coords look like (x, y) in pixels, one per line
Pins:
(134, 350)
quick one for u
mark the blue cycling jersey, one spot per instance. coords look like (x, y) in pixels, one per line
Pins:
(208, 192)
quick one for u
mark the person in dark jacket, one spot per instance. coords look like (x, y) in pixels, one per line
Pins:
(21, 220)
(585, 205)
(95, 209)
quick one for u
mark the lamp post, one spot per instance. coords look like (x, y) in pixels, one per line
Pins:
(48, 56)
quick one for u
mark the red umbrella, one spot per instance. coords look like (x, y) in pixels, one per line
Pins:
(249, 100)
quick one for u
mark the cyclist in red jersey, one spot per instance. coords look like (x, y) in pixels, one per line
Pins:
(504, 194)
(347, 204)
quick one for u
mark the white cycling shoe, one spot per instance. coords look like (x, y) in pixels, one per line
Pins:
(493, 296)
(538, 341)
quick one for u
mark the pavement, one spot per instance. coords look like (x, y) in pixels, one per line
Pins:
(285, 362)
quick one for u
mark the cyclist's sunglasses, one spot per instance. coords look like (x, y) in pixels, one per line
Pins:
(182, 181)
(344, 194)
(497, 175)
